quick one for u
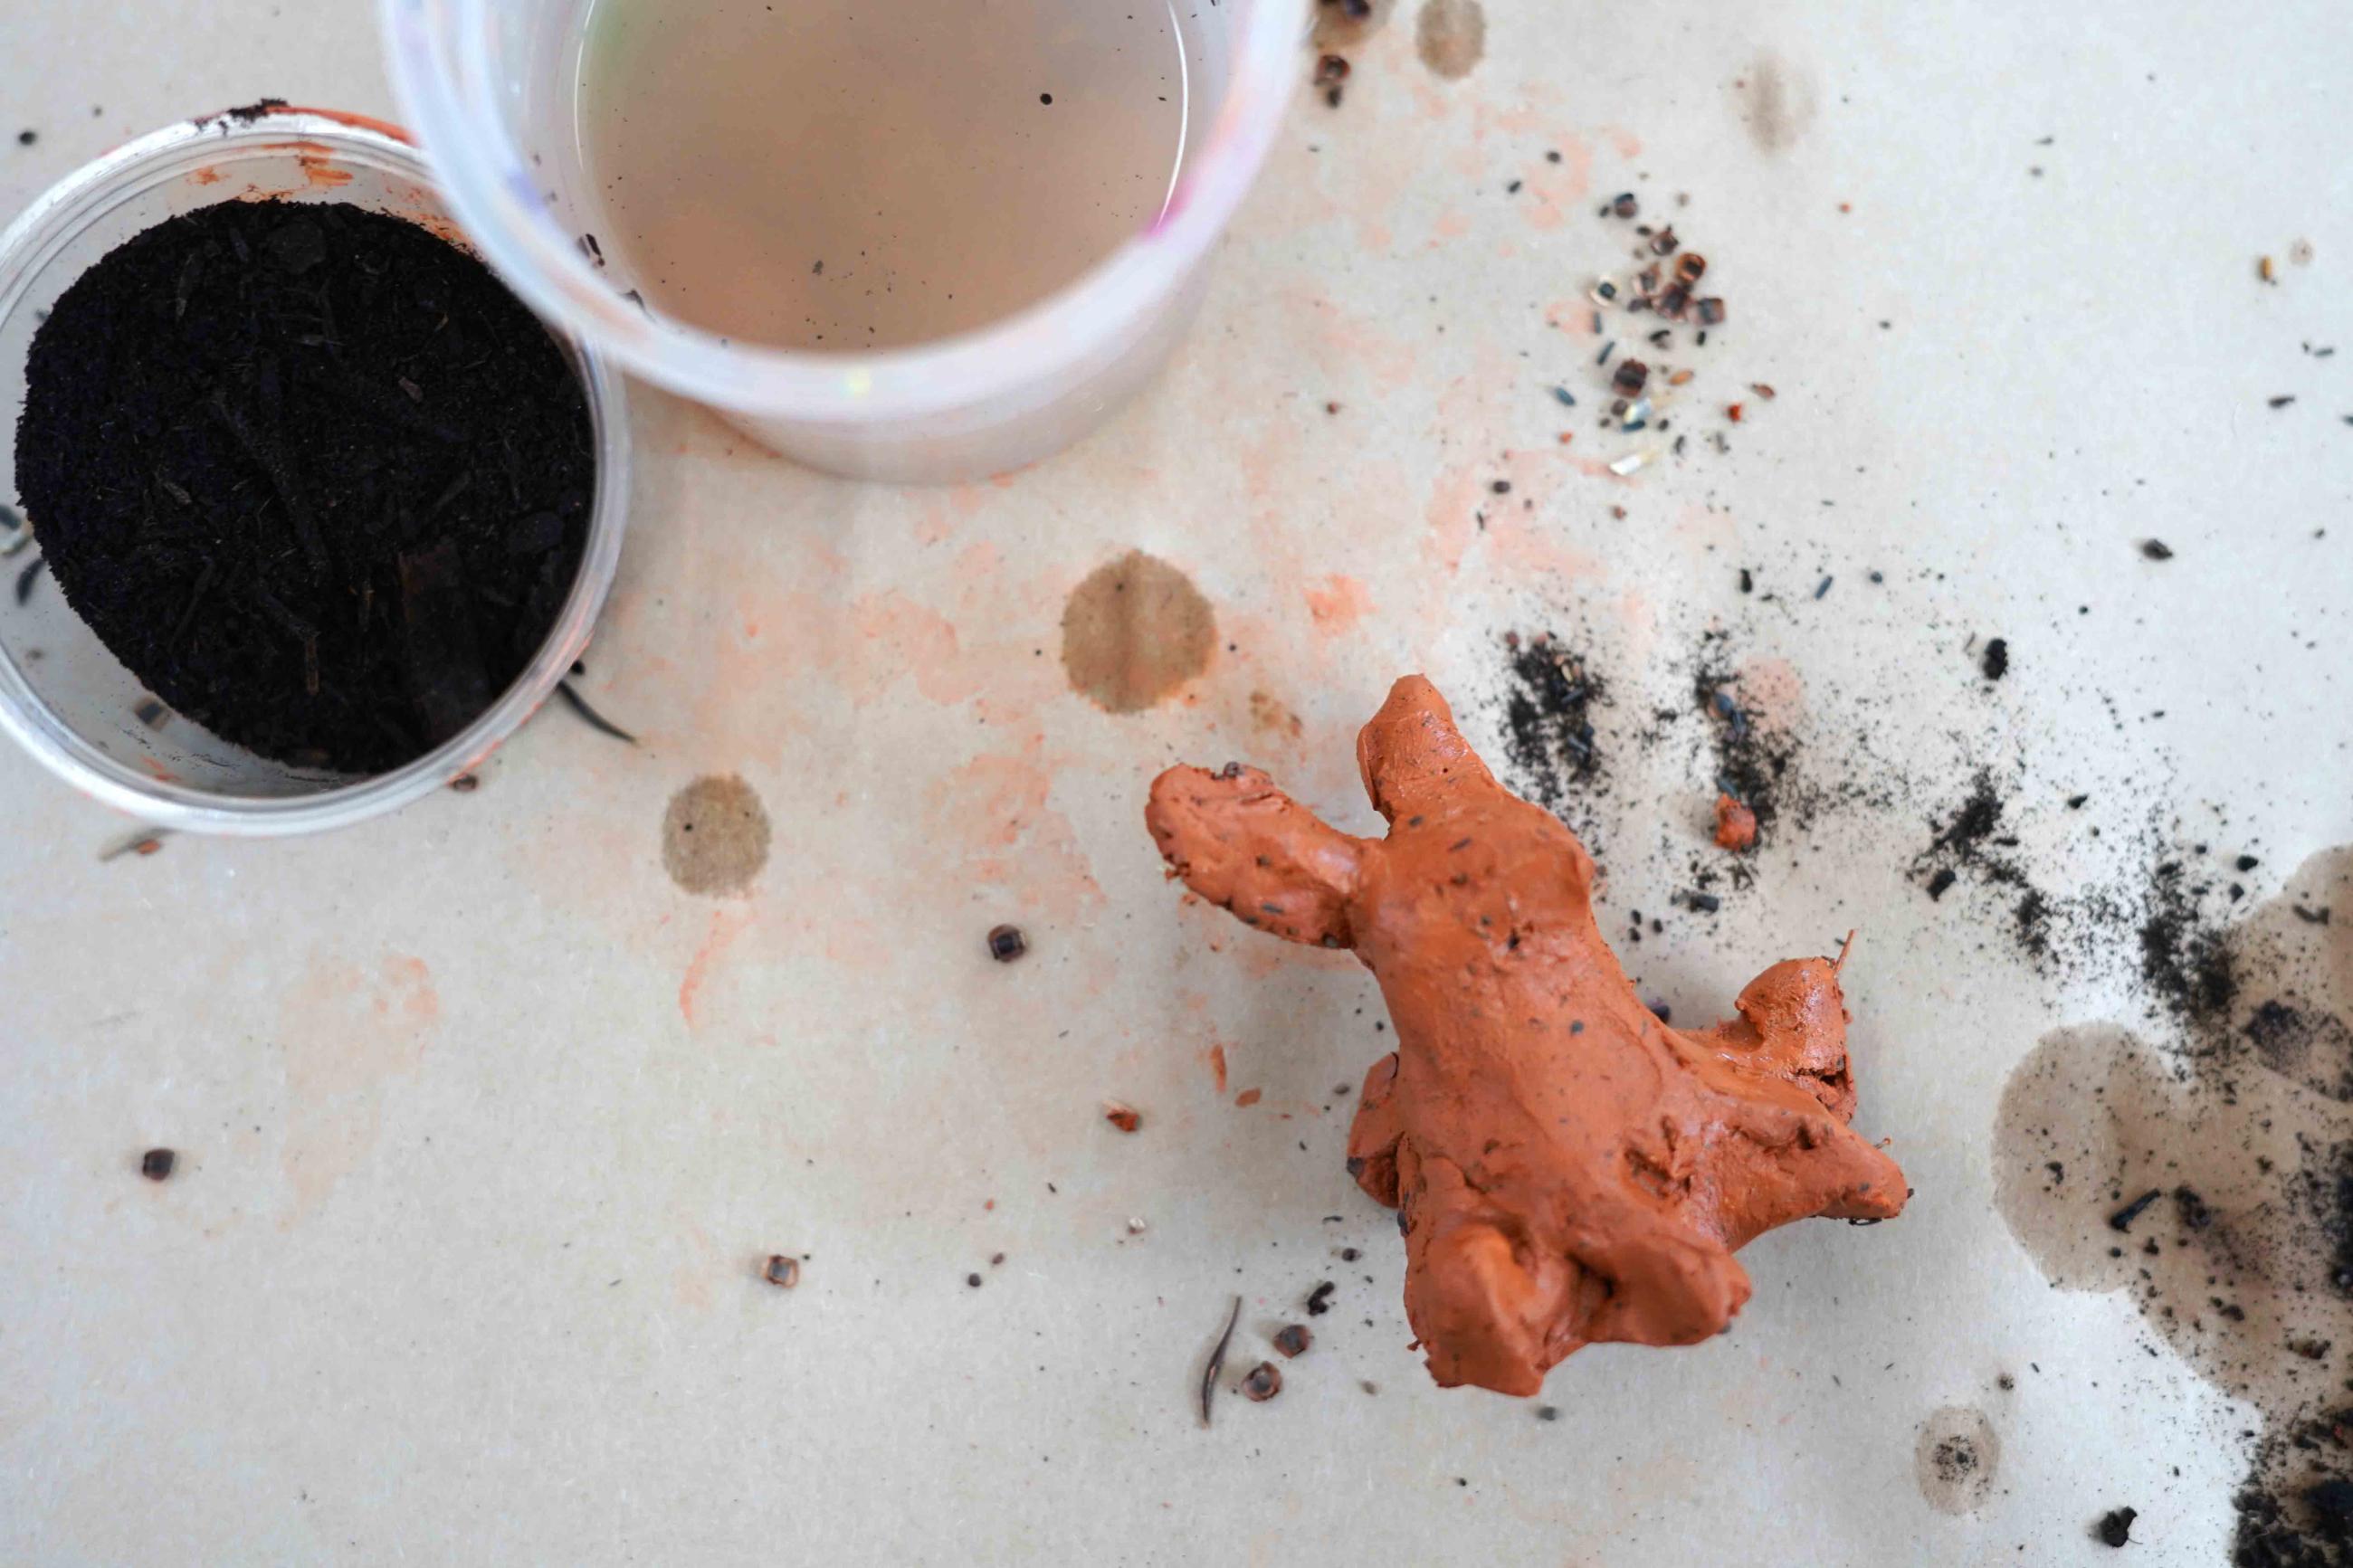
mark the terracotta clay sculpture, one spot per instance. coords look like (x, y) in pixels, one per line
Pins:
(1567, 1169)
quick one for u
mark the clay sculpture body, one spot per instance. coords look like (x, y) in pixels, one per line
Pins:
(1567, 1169)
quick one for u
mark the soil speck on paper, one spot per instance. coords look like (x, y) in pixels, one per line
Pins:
(1134, 632)
(715, 837)
(1548, 711)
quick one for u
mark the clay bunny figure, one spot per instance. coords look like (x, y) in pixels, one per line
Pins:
(1567, 1169)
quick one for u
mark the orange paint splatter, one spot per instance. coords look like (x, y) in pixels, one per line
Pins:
(727, 925)
(1247, 1097)
(988, 821)
(207, 176)
(1338, 604)
(905, 638)
(1218, 1066)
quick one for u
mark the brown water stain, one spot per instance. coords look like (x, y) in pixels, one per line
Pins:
(715, 837)
(1955, 1457)
(1451, 37)
(2245, 1136)
(1134, 632)
(1272, 715)
(1776, 105)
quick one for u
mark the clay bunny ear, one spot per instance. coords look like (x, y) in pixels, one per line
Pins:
(1247, 846)
(1411, 755)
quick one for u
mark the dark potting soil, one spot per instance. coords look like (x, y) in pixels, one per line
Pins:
(1549, 705)
(311, 473)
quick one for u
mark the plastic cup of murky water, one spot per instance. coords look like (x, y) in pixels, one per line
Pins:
(64, 697)
(489, 87)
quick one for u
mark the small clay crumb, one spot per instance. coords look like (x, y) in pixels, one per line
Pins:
(782, 1272)
(2114, 1527)
(996, 1260)
(1625, 206)
(1007, 944)
(1630, 377)
(1996, 662)
(1735, 825)
(465, 783)
(1293, 1339)
(1122, 1116)
(156, 1164)
(1261, 1382)
(2157, 549)
(1319, 1301)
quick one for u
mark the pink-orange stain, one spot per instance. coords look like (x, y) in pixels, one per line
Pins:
(1336, 603)
(1573, 316)
(934, 524)
(1450, 516)
(1453, 224)
(1217, 1056)
(901, 637)
(690, 1280)
(727, 923)
(1554, 188)
(207, 176)
(988, 821)
(1639, 613)
(321, 174)
(1247, 1099)
(1772, 692)
(345, 1032)
(1348, 341)
(1519, 544)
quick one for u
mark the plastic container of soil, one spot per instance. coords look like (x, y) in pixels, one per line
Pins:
(63, 695)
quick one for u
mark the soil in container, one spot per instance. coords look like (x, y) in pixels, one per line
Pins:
(311, 473)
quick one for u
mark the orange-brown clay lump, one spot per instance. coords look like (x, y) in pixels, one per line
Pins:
(1567, 1169)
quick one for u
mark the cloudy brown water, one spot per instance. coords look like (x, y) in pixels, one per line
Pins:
(835, 176)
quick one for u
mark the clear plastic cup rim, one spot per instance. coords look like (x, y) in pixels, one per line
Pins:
(449, 83)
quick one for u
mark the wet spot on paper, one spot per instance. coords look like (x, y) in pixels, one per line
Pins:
(715, 837)
(1134, 632)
